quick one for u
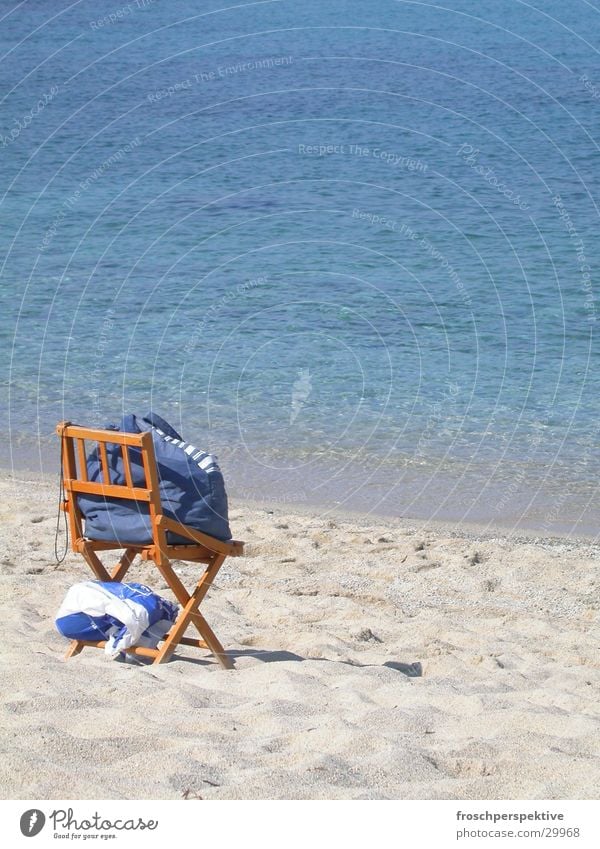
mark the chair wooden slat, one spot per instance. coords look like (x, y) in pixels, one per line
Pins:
(110, 491)
(104, 461)
(127, 465)
(109, 436)
(82, 459)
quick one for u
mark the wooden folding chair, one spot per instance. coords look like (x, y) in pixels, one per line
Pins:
(201, 549)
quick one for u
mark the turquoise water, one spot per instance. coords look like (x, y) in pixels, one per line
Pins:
(349, 247)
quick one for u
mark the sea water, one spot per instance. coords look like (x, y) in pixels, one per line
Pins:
(349, 247)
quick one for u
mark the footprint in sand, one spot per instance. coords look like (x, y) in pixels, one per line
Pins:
(424, 567)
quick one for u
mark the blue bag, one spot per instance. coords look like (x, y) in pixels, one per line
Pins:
(192, 489)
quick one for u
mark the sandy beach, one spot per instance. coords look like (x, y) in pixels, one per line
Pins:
(373, 660)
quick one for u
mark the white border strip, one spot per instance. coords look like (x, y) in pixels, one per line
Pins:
(275, 825)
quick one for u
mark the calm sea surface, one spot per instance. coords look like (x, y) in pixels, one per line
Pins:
(350, 247)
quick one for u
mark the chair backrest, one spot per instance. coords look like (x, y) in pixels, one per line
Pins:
(74, 454)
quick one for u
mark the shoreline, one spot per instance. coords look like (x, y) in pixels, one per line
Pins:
(471, 530)
(536, 502)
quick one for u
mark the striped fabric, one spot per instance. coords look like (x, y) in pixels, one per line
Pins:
(205, 461)
(124, 615)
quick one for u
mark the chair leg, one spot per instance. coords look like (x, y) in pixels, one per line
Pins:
(101, 573)
(123, 565)
(190, 613)
(173, 637)
(75, 647)
(95, 564)
(198, 619)
(210, 638)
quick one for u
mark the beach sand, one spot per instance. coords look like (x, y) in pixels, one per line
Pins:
(374, 660)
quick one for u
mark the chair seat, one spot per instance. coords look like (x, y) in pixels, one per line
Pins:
(237, 547)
